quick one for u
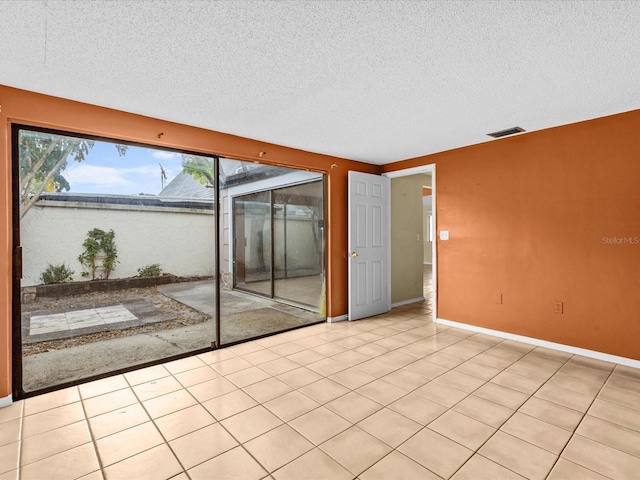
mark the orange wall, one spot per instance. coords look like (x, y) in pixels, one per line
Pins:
(18, 106)
(527, 216)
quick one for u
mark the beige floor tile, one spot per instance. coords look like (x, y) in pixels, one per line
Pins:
(405, 379)
(621, 397)
(382, 392)
(11, 475)
(626, 371)
(426, 369)
(261, 356)
(462, 429)
(539, 433)
(398, 467)
(251, 423)
(390, 427)
(53, 442)
(109, 402)
(196, 375)
(127, 443)
(519, 456)
(299, 377)
(217, 356)
(168, 403)
(350, 358)
(155, 388)
(13, 411)
(566, 470)
(268, 389)
(591, 363)
(288, 348)
(326, 366)
(10, 431)
(586, 373)
(184, 364)
(444, 359)
(493, 361)
(353, 406)
(355, 450)
(329, 349)
(602, 459)
(211, 389)
(236, 464)
(441, 394)
(232, 365)
(352, 378)
(371, 350)
(614, 413)
(484, 411)
(9, 457)
(552, 413)
(501, 395)
(291, 405)
(52, 419)
(579, 385)
(478, 370)
(246, 348)
(624, 383)
(435, 452)
(313, 465)
(481, 468)
(278, 447)
(517, 382)
(397, 359)
(73, 463)
(201, 445)
(100, 387)
(460, 381)
(320, 425)
(324, 390)
(145, 375)
(566, 398)
(118, 420)
(229, 404)
(418, 408)
(247, 377)
(305, 357)
(611, 434)
(534, 369)
(183, 422)
(279, 366)
(376, 368)
(157, 463)
(51, 400)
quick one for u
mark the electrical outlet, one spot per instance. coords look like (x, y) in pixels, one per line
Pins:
(499, 298)
(558, 307)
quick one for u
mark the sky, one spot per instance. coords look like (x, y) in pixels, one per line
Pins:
(138, 171)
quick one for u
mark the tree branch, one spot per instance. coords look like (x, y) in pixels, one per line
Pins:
(28, 178)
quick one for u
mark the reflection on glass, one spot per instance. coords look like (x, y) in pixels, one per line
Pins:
(118, 254)
(273, 221)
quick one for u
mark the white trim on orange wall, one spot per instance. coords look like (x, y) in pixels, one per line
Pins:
(6, 401)
(629, 362)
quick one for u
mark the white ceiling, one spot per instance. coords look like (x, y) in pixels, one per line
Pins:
(377, 81)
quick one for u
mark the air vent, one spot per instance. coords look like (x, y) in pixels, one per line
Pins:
(504, 133)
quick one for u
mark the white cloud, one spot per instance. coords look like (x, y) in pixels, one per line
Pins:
(162, 155)
(96, 175)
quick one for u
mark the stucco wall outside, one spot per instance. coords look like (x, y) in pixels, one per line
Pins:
(181, 241)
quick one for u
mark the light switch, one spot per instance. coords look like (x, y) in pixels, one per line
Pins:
(444, 234)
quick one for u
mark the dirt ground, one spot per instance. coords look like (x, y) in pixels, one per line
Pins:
(182, 315)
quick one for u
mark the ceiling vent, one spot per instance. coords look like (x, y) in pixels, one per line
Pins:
(504, 133)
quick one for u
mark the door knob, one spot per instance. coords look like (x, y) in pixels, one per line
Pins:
(354, 254)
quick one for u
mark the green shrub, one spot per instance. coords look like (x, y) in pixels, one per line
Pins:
(56, 274)
(100, 254)
(153, 270)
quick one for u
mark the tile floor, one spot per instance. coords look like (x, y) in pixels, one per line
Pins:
(390, 397)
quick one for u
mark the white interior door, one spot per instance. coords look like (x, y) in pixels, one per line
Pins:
(369, 245)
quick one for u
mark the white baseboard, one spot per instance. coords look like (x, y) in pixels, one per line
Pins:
(407, 302)
(6, 401)
(606, 357)
(428, 263)
(339, 318)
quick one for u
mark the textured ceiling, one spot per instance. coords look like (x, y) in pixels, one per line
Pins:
(375, 81)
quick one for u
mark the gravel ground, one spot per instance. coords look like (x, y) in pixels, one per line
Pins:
(182, 315)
